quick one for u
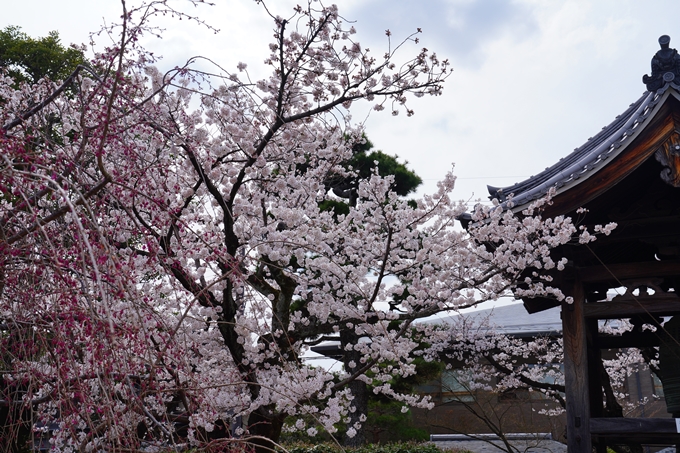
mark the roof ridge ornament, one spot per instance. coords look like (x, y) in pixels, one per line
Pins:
(668, 155)
(665, 66)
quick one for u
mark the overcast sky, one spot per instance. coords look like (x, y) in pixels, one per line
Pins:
(533, 79)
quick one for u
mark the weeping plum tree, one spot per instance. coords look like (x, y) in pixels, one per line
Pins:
(167, 255)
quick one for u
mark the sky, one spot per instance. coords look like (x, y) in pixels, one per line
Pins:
(532, 80)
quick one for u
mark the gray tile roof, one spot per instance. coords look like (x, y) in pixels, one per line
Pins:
(513, 320)
(591, 156)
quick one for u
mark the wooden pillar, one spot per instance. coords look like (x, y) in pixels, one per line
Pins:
(594, 376)
(576, 372)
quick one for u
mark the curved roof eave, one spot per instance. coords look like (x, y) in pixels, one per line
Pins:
(589, 158)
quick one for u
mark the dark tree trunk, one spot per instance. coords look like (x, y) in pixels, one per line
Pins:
(352, 361)
(360, 403)
(265, 422)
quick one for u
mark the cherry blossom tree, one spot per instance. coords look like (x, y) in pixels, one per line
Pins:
(168, 255)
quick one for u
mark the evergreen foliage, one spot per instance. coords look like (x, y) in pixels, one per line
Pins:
(28, 59)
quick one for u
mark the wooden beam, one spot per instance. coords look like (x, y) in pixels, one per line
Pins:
(620, 425)
(629, 340)
(659, 439)
(538, 304)
(628, 271)
(576, 372)
(659, 305)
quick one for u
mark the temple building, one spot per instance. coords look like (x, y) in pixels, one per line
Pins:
(629, 173)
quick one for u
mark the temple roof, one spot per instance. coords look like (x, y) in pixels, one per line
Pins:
(512, 320)
(583, 160)
(593, 155)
